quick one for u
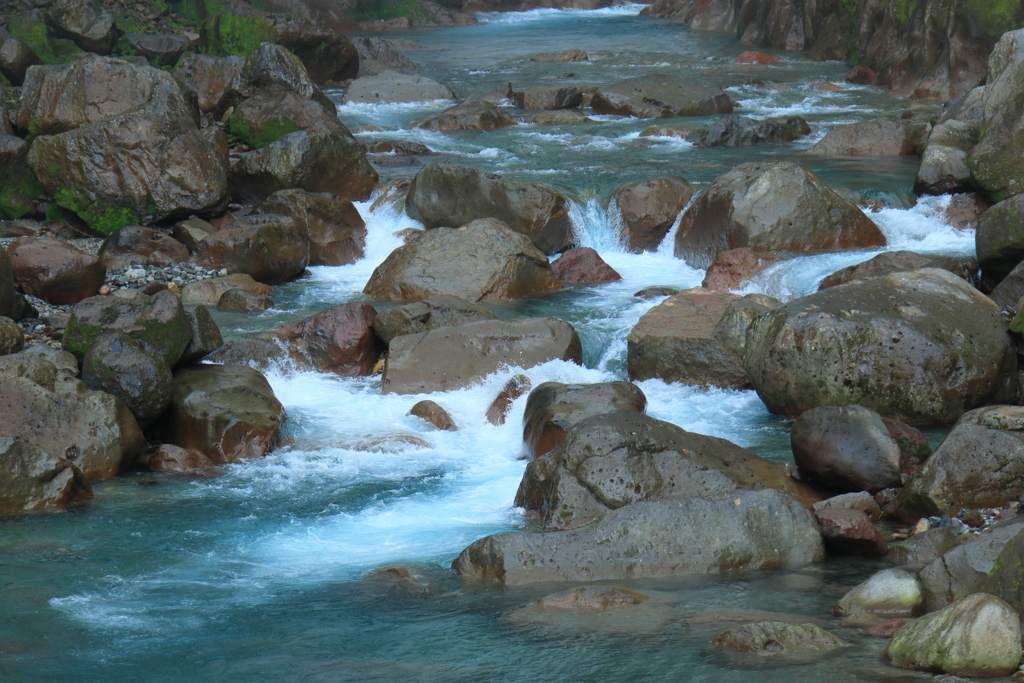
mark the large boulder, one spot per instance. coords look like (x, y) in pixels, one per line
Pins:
(846, 448)
(496, 263)
(318, 42)
(210, 290)
(93, 29)
(552, 409)
(336, 231)
(979, 464)
(272, 68)
(329, 161)
(266, 247)
(944, 166)
(91, 429)
(159, 49)
(55, 271)
(733, 130)
(886, 262)
(422, 316)
(748, 530)
(227, 412)
(424, 362)
(660, 95)
(159, 322)
(995, 160)
(875, 138)
(468, 115)
(377, 55)
(965, 569)
(16, 56)
(850, 532)
(886, 343)
(391, 86)
(733, 267)
(614, 459)
(119, 144)
(976, 636)
(33, 480)
(649, 209)
(774, 206)
(138, 376)
(999, 239)
(581, 267)
(695, 337)
(339, 340)
(449, 195)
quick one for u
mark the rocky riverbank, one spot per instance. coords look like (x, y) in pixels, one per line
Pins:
(137, 199)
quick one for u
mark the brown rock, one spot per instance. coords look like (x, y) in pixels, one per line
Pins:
(886, 629)
(548, 97)
(170, 458)
(850, 532)
(583, 266)
(885, 137)
(861, 75)
(338, 340)
(55, 271)
(570, 55)
(32, 479)
(561, 117)
(513, 389)
(265, 246)
(649, 208)
(660, 95)
(134, 244)
(553, 408)
(752, 57)
(429, 314)
(208, 77)
(965, 209)
(210, 290)
(336, 231)
(435, 415)
(240, 300)
(732, 268)
(12, 339)
(15, 58)
(226, 412)
(468, 115)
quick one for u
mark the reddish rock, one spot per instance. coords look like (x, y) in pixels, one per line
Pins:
(336, 231)
(339, 340)
(134, 244)
(731, 268)
(850, 532)
(244, 301)
(435, 415)
(210, 290)
(55, 271)
(583, 266)
(208, 77)
(861, 75)
(170, 458)
(266, 246)
(964, 209)
(914, 446)
(886, 629)
(649, 208)
(825, 86)
(513, 389)
(754, 57)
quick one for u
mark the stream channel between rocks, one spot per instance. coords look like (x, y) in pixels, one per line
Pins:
(255, 574)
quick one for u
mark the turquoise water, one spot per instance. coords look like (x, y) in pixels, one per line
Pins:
(255, 573)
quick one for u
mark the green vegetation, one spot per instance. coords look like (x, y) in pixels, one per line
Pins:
(230, 34)
(18, 191)
(997, 16)
(267, 131)
(904, 11)
(35, 34)
(102, 217)
(362, 10)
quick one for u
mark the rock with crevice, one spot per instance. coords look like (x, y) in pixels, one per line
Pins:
(649, 209)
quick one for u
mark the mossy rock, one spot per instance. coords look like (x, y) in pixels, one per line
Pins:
(262, 134)
(35, 34)
(19, 189)
(160, 323)
(230, 34)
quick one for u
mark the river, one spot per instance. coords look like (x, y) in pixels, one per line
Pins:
(255, 574)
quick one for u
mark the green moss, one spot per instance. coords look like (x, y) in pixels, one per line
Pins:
(904, 11)
(997, 16)
(18, 193)
(230, 34)
(35, 34)
(260, 136)
(101, 216)
(63, 50)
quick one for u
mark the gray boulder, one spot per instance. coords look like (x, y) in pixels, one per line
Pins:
(33, 480)
(965, 569)
(885, 137)
(614, 459)
(449, 195)
(998, 239)
(548, 97)
(391, 86)
(995, 160)
(765, 529)
(855, 344)
(472, 114)
(659, 95)
(123, 367)
(482, 261)
(424, 362)
(739, 131)
(775, 206)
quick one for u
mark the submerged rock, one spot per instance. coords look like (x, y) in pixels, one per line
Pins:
(776, 206)
(753, 530)
(424, 362)
(976, 636)
(886, 343)
(339, 340)
(435, 415)
(502, 403)
(776, 638)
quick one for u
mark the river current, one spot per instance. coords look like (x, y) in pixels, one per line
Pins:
(255, 574)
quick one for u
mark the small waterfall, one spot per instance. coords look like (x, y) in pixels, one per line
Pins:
(597, 226)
